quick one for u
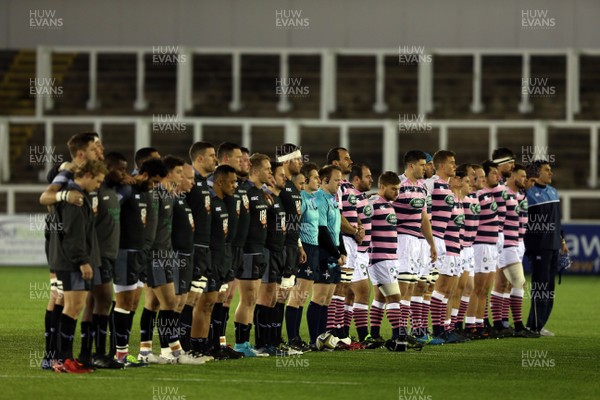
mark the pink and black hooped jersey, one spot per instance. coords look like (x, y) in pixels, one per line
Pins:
(384, 234)
(365, 212)
(511, 222)
(453, 229)
(487, 230)
(412, 199)
(472, 209)
(501, 194)
(522, 199)
(347, 199)
(442, 201)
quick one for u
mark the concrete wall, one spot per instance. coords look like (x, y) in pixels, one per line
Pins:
(331, 23)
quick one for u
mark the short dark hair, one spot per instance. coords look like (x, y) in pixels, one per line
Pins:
(223, 170)
(334, 154)
(357, 170)
(307, 167)
(326, 171)
(441, 156)
(475, 166)
(502, 152)
(463, 170)
(226, 149)
(114, 158)
(533, 169)
(79, 141)
(199, 148)
(153, 167)
(275, 165)
(413, 156)
(388, 178)
(519, 167)
(171, 162)
(143, 154)
(487, 166)
(244, 150)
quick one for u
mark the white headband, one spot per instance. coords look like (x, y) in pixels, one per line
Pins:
(504, 160)
(288, 157)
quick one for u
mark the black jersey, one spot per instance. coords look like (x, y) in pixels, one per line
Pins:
(199, 201)
(164, 225)
(108, 221)
(74, 242)
(243, 214)
(257, 232)
(135, 206)
(182, 235)
(276, 224)
(292, 202)
(219, 223)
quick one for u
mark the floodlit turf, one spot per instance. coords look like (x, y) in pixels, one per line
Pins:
(564, 367)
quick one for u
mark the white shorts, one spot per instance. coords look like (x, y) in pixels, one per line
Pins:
(469, 260)
(440, 247)
(383, 272)
(509, 255)
(351, 251)
(451, 266)
(521, 249)
(424, 260)
(486, 258)
(361, 265)
(500, 242)
(409, 251)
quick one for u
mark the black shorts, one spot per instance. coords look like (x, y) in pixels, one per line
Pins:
(253, 268)
(160, 268)
(228, 276)
(182, 273)
(216, 276)
(73, 281)
(329, 271)
(291, 261)
(128, 267)
(308, 269)
(103, 273)
(276, 263)
(202, 260)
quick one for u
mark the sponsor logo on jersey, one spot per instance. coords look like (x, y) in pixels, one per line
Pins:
(368, 211)
(459, 220)
(352, 199)
(475, 208)
(417, 203)
(494, 206)
(504, 195)
(449, 200)
(391, 219)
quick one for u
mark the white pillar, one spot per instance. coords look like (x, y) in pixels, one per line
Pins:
(140, 103)
(92, 102)
(525, 106)
(380, 106)
(284, 104)
(4, 151)
(573, 105)
(425, 85)
(236, 82)
(593, 182)
(390, 146)
(476, 104)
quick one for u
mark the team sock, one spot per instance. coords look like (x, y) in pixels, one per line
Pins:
(361, 320)
(393, 313)
(376, 316)
(87, 340)
(313, 317)
(66, 332)
(185, 326)
(291, 315)
(122, 332)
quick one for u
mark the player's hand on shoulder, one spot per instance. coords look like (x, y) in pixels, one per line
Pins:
(74, 197)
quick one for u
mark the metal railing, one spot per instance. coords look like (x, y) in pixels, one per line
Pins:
(567, 196)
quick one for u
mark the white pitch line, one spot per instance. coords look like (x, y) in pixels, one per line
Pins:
(130, 378)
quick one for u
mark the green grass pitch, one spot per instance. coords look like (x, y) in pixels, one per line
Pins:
(563, 367)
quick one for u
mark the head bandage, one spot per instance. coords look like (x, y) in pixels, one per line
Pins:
(291, 156)
(503, 160)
